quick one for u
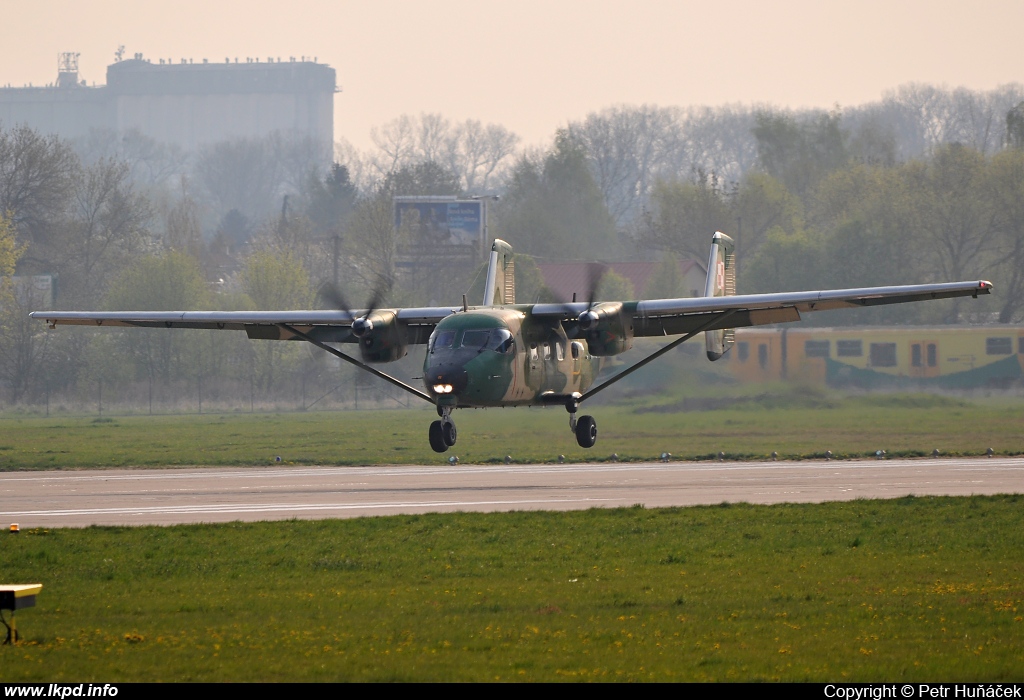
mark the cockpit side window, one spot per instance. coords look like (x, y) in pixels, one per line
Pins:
(501, 341)
(442, 339)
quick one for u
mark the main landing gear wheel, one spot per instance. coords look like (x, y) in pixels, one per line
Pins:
(437, 440)
(586, 431)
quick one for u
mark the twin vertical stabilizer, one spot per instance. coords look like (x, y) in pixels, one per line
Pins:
(500, 288)
(721, 283)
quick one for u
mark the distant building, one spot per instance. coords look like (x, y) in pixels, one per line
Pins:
(185, 104)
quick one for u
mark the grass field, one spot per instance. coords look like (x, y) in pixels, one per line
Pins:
(792, 424)
(928, 589)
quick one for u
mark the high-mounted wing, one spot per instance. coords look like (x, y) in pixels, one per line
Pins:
(659, 317)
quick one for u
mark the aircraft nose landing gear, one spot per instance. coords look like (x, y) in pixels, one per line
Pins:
(442, 433)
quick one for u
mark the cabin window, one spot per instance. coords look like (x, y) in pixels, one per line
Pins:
(998, 346)
(883, 354)
(559, 352)
(547, 350)
(533, 353)
(576, 349)
(933, 355)
(849, 348)
(817, 348)
(743, 350)
(442, 339)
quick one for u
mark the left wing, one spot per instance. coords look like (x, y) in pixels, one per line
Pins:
(675, 316)
(325, 326)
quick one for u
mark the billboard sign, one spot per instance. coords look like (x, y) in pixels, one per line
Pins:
(436, 221)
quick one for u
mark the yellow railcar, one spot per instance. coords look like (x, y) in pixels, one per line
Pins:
(951, 357)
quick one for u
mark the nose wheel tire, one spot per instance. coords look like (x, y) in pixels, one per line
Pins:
(586, 431)
(449, 433)
(436, 435)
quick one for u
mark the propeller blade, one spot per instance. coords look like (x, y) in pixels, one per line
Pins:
(595, 273)
(332, 296)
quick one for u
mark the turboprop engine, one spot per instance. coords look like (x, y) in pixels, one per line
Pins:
(606, 328)
(381, 337)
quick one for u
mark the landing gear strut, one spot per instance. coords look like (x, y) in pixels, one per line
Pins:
(585, 427)
(442, 433)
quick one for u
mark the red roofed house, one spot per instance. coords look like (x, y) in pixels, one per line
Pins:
(565, 279)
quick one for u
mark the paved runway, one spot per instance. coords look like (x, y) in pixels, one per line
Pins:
(213, 494)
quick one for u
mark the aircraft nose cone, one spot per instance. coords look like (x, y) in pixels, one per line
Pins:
(456, 378)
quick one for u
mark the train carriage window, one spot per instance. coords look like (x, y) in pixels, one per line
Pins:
(762, 355)
(849, 348)
(1020, 346)
(883, 354)
(933, 355)
(915, 355)
(998, 346)
(817, 348)
(743, 350)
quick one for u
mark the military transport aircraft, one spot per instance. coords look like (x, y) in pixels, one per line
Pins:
(506, 354)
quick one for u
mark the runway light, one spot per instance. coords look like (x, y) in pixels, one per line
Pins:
(15, 529)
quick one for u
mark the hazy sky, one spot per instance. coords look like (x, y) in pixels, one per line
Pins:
(534, 66)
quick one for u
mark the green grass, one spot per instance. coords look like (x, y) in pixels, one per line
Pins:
(796, 422)
(914, 589)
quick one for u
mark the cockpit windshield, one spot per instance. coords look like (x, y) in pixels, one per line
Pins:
(442, 339)
(499, 340)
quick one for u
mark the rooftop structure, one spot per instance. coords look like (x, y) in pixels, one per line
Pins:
(186, 104)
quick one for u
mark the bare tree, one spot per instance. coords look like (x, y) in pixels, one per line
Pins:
(36, 177)
(106, 228)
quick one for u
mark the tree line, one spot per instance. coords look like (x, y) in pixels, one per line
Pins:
(925, 185)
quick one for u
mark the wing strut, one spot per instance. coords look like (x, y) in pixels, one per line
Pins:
(650, 358)
(338, 353)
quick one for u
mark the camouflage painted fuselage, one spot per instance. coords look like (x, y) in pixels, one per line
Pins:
(541, 360)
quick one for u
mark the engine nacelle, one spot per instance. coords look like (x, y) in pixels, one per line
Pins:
(607, 329)
(381, 337)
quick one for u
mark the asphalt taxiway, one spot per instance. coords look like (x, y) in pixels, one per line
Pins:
(213, 494)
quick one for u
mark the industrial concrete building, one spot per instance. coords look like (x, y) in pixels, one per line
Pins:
(185, 104)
